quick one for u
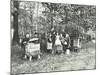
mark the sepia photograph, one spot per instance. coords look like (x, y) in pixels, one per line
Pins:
(51, 37)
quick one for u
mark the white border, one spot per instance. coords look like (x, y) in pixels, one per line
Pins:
(5, 37)
(84, 2)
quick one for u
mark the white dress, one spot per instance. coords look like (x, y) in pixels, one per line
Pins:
(57, 42)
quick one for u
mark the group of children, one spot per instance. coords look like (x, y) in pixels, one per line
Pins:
(58, 42)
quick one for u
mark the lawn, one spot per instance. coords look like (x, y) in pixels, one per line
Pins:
(83, 60)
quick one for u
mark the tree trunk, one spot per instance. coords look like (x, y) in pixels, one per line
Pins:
(66, 15)
(51, 17)
(15, 23)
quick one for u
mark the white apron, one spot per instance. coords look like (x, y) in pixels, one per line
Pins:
(57, 42)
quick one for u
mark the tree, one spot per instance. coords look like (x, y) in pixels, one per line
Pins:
(26, 17)
(51, 11)
(15, 21)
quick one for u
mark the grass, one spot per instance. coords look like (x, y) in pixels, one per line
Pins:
(83, 60)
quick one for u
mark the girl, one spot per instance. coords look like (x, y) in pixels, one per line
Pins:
(24, 42)
(49, 43)
(58, 44)
(66, 43)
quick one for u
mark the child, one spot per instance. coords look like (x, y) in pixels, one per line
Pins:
(24, 42)
(58, 44)
(49, 43)
(66, 43)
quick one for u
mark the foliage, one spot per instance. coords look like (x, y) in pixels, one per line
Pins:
(41, 16)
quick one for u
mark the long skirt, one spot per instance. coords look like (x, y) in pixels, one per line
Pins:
(57, 42)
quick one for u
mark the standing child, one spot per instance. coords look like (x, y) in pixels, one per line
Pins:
(49, 43)
(43, 43)
(66, 43)
(24, 42)
(58, 44)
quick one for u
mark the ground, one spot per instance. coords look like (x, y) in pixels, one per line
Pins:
(83, 60)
